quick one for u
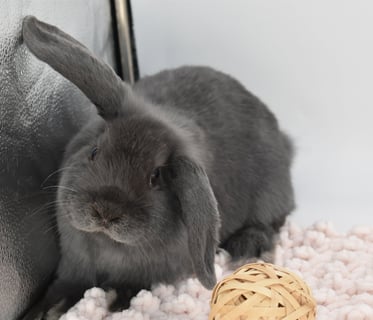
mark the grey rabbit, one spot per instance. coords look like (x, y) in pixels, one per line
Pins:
(179, 164)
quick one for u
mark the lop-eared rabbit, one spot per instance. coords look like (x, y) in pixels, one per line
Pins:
(181, 163)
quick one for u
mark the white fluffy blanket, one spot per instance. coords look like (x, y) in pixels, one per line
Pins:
(337, 267)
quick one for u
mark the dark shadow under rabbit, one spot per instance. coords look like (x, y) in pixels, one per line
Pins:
(182, 162)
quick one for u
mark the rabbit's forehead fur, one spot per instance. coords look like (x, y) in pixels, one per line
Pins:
(138, 145)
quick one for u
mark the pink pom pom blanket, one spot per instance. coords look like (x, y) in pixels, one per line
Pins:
(338, 268)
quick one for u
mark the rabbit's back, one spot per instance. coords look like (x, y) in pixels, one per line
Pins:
(249, 156)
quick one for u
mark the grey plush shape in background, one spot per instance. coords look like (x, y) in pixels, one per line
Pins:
(39, 112)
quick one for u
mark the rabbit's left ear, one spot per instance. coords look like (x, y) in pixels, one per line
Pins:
(199, 214)
(75, 62)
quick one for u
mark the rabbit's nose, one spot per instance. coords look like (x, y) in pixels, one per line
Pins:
(105, 215)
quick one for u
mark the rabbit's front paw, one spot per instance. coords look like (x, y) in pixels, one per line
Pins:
(249, 242)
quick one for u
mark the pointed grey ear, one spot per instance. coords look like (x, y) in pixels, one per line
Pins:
(200, 215)
(74, 61)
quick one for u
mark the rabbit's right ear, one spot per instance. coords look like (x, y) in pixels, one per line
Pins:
(199, 212)
(74, 61)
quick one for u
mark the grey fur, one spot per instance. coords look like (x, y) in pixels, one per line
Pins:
(225, 176)
(47, 42)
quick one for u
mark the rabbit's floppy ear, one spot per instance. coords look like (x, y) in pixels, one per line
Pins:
(74, 61)
(199, 214)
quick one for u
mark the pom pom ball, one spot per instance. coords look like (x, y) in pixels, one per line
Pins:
(262, 291)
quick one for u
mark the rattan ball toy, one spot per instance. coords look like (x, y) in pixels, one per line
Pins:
(262, 291)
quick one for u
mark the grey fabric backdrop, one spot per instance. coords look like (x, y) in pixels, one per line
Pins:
(39, 112)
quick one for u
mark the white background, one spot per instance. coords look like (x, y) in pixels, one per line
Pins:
(310, 61)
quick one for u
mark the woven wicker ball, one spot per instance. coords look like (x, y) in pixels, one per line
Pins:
(262, 291)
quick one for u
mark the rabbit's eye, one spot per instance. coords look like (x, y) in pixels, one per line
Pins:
(93, 153)
(154, 177)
